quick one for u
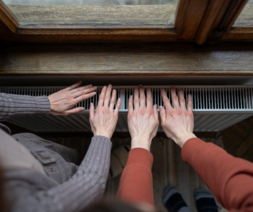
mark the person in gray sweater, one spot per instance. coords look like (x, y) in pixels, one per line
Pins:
(41, 175)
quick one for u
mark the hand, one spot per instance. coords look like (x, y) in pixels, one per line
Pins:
(142, 119)
(104, 120)
(177, 122)
(62, 101)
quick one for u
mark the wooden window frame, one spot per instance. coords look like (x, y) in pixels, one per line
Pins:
(196, 21)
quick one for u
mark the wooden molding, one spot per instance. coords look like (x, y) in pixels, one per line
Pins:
(213, 10)
(239, 34)
(96, 34)
(8, 18)
(189, 17)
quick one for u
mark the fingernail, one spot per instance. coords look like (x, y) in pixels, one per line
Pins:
(131, 97)
(161, 107)
(189, 96)
(114, 91)
(104, 87)
(109, 86)
(95, 87)
(119, 99)
(136, 89)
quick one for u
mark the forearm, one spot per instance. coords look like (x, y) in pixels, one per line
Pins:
(230, 179)
(136, 183)
(89, 183)
(15, 105)
(85, 187)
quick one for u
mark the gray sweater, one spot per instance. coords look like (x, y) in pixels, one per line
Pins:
(30, 190)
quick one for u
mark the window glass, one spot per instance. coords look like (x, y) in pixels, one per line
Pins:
(94, 12)
(246, 16)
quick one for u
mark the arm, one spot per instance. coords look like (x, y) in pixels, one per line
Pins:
(89, 183)
(28, 189)
(59, 103)
(136, 183)
(15, 105)
(229, 178)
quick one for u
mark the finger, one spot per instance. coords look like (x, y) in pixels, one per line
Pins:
(83, 97)
(189, 105)
(112, 103)
(73, 86)
(166, 101)
(142, 97)
(75, 110)
(149, 98)
(80, 88)
(130, 104)
(136, 99)
(78, 92)
(116, 111)
(155, 112)
(162, 115)
(82, 92)
(181, 99)
(92, 111)
(107, 96)
(101, 97)
(174, 97)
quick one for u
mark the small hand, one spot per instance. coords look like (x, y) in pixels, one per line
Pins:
(142, 119)
(177, 122)
(103, 121)
(62, 101)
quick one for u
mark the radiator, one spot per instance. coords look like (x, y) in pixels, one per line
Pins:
(215, 108)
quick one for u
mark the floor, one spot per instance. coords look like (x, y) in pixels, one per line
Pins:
(168, 167)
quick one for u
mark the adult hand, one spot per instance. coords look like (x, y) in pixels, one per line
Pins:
(142, 119)
(104, 120)
(177, 122)
(62, 101)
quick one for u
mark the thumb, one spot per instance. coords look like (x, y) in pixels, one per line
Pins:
(92, 111)
(162, 115)
(155, 112)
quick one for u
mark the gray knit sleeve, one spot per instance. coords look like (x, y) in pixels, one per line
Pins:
(85, 187)
(15, 105)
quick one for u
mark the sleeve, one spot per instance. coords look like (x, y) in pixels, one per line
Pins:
(230, 179)
(84, 188)
(136, 183)
(15, 105)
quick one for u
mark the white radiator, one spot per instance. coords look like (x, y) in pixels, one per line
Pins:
(215, 108)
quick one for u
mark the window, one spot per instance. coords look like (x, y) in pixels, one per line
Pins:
(94, 12)
(246, 16)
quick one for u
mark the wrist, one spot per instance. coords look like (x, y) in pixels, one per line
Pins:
(105, 134)
(184, 137)
(140, 142)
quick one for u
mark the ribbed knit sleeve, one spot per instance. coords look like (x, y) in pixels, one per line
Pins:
(229, 178)
(86, 186)
(15, 105)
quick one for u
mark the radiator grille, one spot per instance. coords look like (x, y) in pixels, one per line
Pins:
(204, 97)
(214, 107)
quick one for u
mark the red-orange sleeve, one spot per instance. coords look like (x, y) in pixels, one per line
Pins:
(229, 178)
(136, 183)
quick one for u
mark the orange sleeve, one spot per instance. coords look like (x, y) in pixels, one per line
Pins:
(136, 183)
(230, 179)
